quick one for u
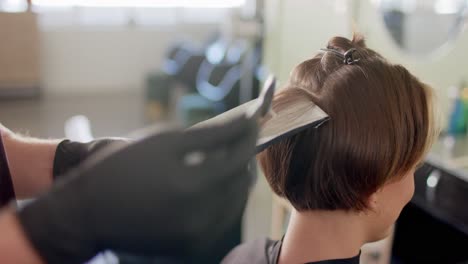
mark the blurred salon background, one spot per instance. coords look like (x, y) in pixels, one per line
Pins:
(91, 68)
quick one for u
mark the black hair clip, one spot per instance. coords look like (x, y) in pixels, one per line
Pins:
(348, 57)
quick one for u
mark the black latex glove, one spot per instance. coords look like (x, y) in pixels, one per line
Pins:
(70, 154)
(144, 198)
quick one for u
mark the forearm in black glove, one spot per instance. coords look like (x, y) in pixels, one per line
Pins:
(173, 193)
(70, 154)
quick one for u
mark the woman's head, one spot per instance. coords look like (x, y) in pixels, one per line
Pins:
(380, 128)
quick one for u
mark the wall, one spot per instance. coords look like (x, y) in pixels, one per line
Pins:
(444, 68)
(297, 29)
(80, 60)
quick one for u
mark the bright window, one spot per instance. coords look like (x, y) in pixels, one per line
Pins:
(141, 3)
(63, 13)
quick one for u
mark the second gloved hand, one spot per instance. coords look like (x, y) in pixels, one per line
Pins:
(167, 194)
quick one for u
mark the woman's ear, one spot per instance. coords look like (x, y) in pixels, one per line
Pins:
(373, 201)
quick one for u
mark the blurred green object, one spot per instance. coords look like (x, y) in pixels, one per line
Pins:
(194, 108)
(458, 121)
(158, 91)
(457, 124)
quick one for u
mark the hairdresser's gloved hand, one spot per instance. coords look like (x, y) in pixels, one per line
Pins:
(70, 154)
(149, 197)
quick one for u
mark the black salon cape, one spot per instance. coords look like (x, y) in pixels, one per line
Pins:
(266, 251)
(70, 154)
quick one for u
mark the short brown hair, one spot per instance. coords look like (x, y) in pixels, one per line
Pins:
(381, 125)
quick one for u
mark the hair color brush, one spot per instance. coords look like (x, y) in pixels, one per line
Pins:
(273, 125)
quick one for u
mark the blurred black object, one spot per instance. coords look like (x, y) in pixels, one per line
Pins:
(222, 81)
(216, 76)
(433, 228)
(70, 154)
(183, 58)
(231, 239)
(227, 78)
(7, 193)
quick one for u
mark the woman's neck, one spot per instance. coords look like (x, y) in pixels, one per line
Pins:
(322, 235)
